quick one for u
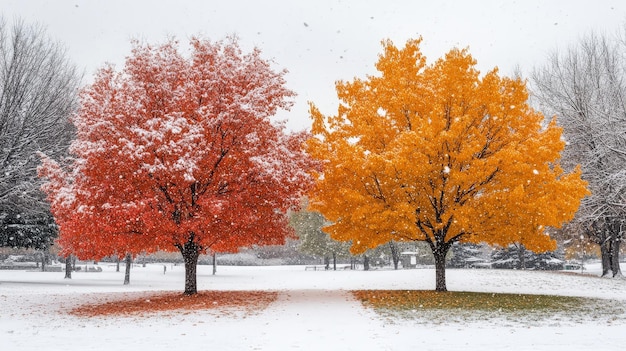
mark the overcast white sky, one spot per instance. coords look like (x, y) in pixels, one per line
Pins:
(321, 41)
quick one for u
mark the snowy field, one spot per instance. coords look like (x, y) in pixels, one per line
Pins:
(314, 311)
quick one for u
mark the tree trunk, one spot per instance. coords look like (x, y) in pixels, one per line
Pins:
(613, 242)
(43, 261)
(605, 250)
(334, 261)
(439, 254)
(366, 263)
(117, 260)
(214, 264)
(68, 267)
(615, 246)
(190, 251)
(395, 256)
(521, 254)
(129, 260)
(326, 262)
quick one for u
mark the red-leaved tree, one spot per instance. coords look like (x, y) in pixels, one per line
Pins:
(179, 153)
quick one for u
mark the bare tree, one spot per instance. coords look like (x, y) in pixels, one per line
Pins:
(585, 88)
(38, 92)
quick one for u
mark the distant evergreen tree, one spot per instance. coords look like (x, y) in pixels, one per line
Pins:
(466, 255)
(517, 257)
(36, 231)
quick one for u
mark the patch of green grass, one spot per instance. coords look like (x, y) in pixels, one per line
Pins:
(413, 299)
(435, 306)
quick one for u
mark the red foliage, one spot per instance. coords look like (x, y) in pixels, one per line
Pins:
(176, 153)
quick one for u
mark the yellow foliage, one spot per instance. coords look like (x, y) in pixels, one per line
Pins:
(439, 153)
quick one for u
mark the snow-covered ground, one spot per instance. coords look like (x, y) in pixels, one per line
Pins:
(314, 311)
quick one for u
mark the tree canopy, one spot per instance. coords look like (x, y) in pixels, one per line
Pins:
(439, 153)
(177, 153)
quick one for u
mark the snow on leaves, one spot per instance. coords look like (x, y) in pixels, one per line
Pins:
(182, 152)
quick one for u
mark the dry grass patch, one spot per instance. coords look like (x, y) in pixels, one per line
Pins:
(223, 301)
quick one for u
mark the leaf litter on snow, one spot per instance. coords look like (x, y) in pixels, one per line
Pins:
(220, 302)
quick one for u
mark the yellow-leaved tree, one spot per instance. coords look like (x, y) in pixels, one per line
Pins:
(439, 153)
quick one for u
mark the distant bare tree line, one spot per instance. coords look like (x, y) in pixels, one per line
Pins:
(38, 93)
(585, 87)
